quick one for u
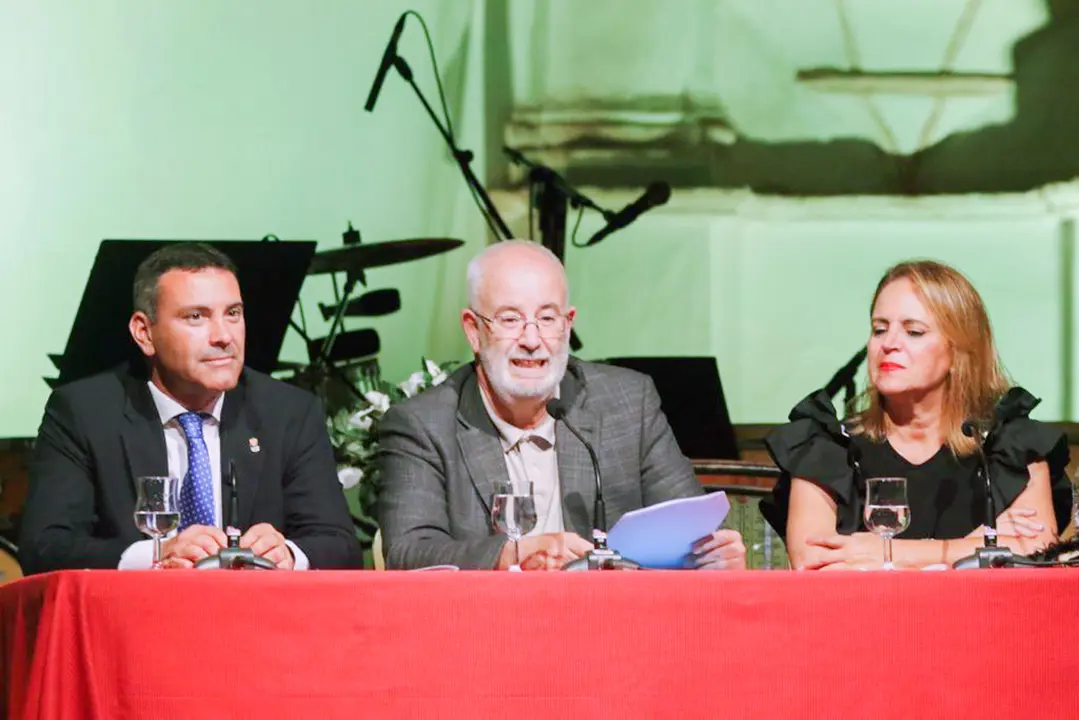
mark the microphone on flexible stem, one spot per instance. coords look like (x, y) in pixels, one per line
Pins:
(990, 554)
(600, 557)
(231, 528)
(387, 62)
(854, 455)
(655, 195)
(233, 557)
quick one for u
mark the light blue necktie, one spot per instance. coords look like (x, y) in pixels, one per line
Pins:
(197, 492)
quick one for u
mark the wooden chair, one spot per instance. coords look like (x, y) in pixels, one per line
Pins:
(10, 570)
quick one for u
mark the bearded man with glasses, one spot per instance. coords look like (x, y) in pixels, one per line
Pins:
(442, 452)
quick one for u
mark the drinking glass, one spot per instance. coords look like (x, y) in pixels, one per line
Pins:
(157, 509)
(887, 512)
(513, 513)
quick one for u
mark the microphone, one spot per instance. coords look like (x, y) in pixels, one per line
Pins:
(232, 527)
(233, 557)
(600, 557)
(854, 462)
(655, 195)
(990, 554)
(387, 61)
(557, 410)
(854, 454)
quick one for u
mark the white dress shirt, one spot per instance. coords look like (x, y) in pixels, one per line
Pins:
(140, 555)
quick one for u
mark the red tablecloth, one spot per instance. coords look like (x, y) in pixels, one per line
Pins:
(114, 645)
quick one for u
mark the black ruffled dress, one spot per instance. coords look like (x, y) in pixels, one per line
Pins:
(946, 498)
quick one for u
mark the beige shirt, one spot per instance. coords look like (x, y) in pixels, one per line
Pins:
(530, 456)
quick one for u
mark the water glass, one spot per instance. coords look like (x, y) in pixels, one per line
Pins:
(157, 509)
(887, 512)
(513, 513)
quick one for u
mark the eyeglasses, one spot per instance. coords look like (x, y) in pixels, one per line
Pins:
(510, 325)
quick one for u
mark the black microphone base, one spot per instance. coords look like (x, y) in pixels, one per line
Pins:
(235, 559)
(602, 559)
(986, 557)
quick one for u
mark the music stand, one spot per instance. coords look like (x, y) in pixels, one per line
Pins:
(691, 396)
(270, 276)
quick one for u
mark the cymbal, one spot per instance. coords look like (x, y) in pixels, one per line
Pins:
(356, 258)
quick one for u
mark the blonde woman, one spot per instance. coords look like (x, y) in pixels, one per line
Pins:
(932, 365)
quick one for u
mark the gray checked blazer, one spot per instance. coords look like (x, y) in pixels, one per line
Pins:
(439, 457)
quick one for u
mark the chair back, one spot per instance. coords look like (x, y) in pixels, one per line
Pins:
(10, 570)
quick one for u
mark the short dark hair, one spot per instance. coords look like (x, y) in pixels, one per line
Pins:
(177, 256)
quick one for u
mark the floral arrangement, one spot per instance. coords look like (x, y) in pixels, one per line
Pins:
(354, 435)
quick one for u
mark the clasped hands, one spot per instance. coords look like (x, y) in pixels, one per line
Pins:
(201, 541)
(722, 549)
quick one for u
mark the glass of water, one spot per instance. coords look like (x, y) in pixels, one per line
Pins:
(887, 512)
(157, 509)
(513, 513)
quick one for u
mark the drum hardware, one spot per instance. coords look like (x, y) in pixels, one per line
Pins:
(356, 258)
(339, 345)
(371, 304)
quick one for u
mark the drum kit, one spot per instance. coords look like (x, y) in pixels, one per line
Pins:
(343, 364)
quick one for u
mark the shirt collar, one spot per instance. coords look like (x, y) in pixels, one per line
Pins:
(510, 435)
(168, 409)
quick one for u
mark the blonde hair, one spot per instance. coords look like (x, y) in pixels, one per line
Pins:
(976, 380)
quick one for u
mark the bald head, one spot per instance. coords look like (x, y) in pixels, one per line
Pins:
(509, 261)
(518, 323)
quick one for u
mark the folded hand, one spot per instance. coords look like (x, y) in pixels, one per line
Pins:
(265, 541)
(1016, 522)
(721, 550)
(193, 544)
(551, 551)
(860, 551)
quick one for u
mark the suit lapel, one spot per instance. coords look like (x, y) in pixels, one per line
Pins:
(240, 445)
(575, 470)
(479, 443)
(486, 463)
(141, 435)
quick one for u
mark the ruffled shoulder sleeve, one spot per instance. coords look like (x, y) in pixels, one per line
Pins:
(812, 446)
(1016, 442)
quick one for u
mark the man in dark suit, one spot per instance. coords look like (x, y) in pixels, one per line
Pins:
(190, 412)
(442, 452)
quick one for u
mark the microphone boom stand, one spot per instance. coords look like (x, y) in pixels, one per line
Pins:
(463, 158)
(553, 199)
(990, 555)
(554, 237)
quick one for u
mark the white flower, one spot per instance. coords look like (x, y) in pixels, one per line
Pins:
(436, 373)
(349, 477)
(362, 419)
(413, 385)
(380, 402)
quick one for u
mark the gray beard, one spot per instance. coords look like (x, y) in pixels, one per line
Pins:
(508, 389)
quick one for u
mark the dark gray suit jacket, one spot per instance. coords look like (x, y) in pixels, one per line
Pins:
(439, 456)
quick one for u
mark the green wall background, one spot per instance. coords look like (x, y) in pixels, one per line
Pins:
(206, 119)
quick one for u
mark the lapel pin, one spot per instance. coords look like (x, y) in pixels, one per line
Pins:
(253, 444)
